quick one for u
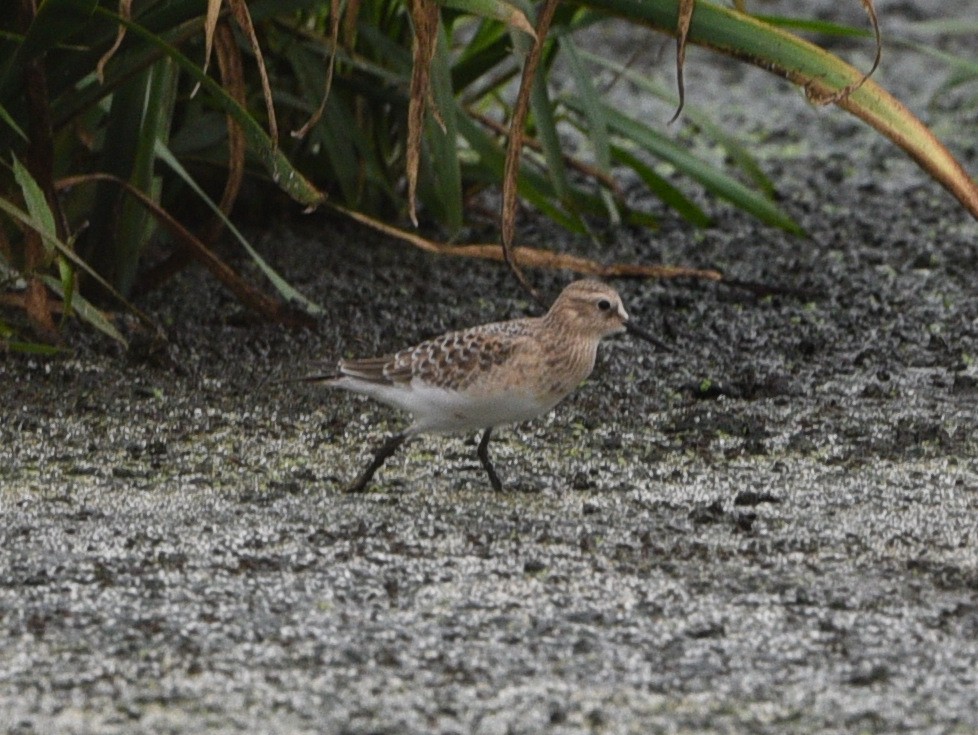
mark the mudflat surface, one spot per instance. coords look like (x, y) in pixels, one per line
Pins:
(772, 529)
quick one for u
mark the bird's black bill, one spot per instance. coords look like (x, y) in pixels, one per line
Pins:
(641, 333)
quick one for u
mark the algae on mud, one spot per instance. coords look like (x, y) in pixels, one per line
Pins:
(794, 548)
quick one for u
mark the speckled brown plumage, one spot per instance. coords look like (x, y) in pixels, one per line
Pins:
(454, 360)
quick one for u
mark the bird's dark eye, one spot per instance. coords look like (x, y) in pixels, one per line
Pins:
(604, 304)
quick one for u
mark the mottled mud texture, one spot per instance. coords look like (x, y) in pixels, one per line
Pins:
(772, 529)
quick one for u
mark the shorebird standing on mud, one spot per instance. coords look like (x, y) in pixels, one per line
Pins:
(489, 375)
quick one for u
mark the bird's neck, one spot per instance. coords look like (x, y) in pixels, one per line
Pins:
(557, 320)
(573, 352)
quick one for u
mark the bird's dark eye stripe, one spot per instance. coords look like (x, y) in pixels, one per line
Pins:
(604, 304)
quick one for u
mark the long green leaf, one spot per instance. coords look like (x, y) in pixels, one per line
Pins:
(86, 311)
(283, 173)
(531, 186)
(32, 348)
(12, 124)
(42, 218)
(67, 253)
(336, 138)
(947, 26)
(546, 129)
(591, 102)
(597, 127)
(734, 149)
(135, 225)
(443, 142)
(491, 46)
(709, 177)
(662, 188)
(107, 241)
(814, 68)
(823, 27)
(534, 187)
(281, 285)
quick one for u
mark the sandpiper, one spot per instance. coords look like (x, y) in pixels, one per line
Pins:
(492, 374)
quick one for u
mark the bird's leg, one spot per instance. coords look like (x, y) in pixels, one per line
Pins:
(383, 453)
(483, 452)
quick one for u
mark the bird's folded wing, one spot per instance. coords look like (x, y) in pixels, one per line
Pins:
(448, 361)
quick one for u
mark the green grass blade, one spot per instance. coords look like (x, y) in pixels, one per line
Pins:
(591, 102)
(478, 60)
(445, 170)
(18, 215)
(531, 186)
(326, 159)
(710, 178)
(12, 124)
(86, 311)
(101, 244)
(283, 173)
(733, 148)
(535, 188)
(821, 27)
(387, 51)
(947, 27)
(665, 191)
(42, 218)
(135, 225)
(597, 124)
(335, 137)
(281, 285)
(30, 348)
(546, 129)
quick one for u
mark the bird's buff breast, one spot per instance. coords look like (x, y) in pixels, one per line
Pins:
(544, 375)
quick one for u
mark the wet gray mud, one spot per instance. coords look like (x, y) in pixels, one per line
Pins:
(770, 529)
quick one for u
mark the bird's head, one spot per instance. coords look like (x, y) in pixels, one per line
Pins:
(594, 309)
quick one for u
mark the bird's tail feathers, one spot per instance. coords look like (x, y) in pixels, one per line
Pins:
(314, 378)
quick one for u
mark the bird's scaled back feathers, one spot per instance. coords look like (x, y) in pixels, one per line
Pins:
(495, 373)
(452, 360)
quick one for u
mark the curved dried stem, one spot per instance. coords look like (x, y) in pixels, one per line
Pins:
(232, 79)
(334, 37)
(817, 95)
(425, 16)
(125, 10)
(239, 9)
(533, 257)
(514, 150)
(686, 8)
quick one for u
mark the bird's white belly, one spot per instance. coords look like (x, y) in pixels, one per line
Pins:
(440, 409)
